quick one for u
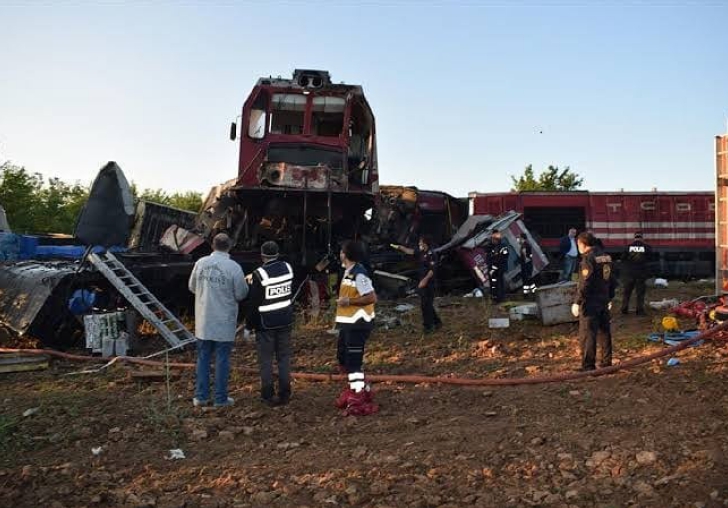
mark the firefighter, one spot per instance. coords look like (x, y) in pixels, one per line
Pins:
(594, 291)
(525, 258)
(272, 318)
(497, 259)
(355, 320)
(634, 267)
(426, 286)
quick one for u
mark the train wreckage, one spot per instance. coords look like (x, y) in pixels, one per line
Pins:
(307, 177)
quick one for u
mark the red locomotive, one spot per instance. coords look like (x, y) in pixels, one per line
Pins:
(307, 171)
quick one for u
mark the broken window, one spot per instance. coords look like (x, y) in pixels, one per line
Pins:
(287, 113)
(256, 125)
(328, 116)
(360, 134)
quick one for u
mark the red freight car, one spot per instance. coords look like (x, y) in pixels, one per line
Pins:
(679, 225)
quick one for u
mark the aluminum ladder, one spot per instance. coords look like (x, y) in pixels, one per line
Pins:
(151, 309)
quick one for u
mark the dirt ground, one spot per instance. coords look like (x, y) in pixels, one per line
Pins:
(652, 436)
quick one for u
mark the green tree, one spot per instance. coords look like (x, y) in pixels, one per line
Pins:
(19, 192)
(551, 179)
(60, 204)
(189, 200)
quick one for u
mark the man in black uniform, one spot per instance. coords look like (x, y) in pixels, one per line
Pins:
(635, 273)
(497, 258)
(525, 258)
(272, 317)
(594, 292)
(426, 285)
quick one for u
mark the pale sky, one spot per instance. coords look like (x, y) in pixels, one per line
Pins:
(629, 95)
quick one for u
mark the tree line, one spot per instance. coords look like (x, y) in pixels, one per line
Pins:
(36, 205)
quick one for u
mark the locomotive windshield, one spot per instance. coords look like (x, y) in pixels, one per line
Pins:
(287, 113)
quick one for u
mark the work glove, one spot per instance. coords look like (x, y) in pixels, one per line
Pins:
(575, 309)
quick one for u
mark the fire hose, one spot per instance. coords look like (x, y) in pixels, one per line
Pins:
(413, 378)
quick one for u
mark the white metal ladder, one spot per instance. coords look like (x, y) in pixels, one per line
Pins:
(151, 309)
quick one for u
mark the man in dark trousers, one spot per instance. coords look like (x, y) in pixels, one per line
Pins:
(570, 255)
(272, 318)
(497, 258)
(635, 273)
(525, 258)
(426, 286)
(593, 294)
(355, 320)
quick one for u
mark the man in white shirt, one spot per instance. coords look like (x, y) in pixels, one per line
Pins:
(219, 284)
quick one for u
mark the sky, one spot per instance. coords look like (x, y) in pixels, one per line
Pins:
(629, 95)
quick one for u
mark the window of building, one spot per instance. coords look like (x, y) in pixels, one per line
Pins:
(287, 113)
(328, 116)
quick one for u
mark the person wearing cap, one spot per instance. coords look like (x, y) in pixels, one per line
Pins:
(355, 320)
(595, 290)
(219, 284)
(496, 256)
(525, 258)
(271, 316)
(635, 273)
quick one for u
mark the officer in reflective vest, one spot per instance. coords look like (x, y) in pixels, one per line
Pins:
(272, 318)
(497, 258)
(635, 273)
(354, 319)
(525, 258)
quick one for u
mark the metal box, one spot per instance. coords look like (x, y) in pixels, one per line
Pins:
(554, 303)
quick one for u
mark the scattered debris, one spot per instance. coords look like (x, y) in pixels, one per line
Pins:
(554, 303)
(499, 323)
(30, 412)
(665, 303)
(519, 312)
(475, 293)
(176, 454)
(660, 283)
(672, 362)
(404, 307)
(96, 451)
(13, 362)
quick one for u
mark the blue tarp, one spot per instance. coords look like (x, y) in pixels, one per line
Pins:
(68, 251)
(674, 338)
(15, 247)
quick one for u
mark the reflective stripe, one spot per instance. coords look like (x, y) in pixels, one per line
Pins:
(357, 386)
(360, 314)
(650, 224)
(276, 280)
(274, 306)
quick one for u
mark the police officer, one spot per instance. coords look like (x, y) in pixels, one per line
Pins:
(272, 318)
(426, 285)
(525, 258)
(497, 259)
(355, 320)
(635, 273)
(594, 291)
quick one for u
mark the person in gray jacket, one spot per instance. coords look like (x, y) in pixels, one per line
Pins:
(219, 284)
